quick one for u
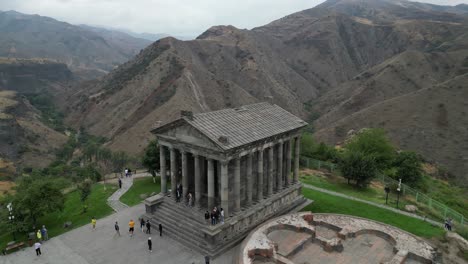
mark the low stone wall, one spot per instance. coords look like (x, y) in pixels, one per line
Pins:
(259, 247)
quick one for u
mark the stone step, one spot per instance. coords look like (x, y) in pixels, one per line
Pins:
(176, 221)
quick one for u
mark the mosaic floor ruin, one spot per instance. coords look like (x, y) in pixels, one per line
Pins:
(306, 238)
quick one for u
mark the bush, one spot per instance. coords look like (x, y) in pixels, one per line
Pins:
(408, 168)
(358, 167)
(374, 143)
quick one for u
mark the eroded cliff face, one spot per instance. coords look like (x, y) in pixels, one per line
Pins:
(26, 136)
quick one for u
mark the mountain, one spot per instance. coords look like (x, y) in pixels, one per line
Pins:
(86, 52)
(30, 128)
(343, 65)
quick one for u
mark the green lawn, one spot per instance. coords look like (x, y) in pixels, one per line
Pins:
(140, 186)
(73, 211)
(325, 203)
(374, 193)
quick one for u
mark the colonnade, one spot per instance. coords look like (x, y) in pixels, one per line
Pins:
(277, 157)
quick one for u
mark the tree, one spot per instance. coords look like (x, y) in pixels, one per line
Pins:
(151, 158)
(374, 143)
(85, 190)
(36, 197)
(307, 145)
(358, 167)
(408, 168)
(119, 160)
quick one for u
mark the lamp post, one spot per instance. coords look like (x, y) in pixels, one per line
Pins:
(387, 191)
(11, 217)
(398, 193)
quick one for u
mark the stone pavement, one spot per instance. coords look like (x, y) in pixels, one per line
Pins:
(114, 200)
(84, 246)
(308, 186)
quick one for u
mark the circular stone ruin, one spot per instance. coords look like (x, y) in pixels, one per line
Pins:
(304, 238)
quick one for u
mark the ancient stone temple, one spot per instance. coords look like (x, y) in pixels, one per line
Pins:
(244, 160)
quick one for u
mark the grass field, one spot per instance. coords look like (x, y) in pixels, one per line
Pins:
(140, 186)
(73, 212)
(325, 203)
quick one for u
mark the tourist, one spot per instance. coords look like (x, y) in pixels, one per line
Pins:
(37, 246)
(93, 223)
(150, 244)
(131, 228)
(45, 235)
(207, 217)
(126, 172)
(120, 183)
(160, 229)
(142, 224)
(213, 218)
(216, 211)
(117, 228)
(148, 227)
(221, 212)
(189, 199)
(39, 236)
(207, 259)
(129, 173)
(449, 224)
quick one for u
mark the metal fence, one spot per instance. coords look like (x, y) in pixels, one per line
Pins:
(310, 163)
(436, 208)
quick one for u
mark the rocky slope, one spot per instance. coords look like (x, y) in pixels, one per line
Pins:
(27, 135)
(84, 51)
(346, 60)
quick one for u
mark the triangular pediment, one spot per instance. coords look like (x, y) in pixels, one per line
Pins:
(185, 133)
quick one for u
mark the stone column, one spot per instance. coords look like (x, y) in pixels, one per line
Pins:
(184, 175)
(237, 194)
(297, 149)
(225, 188)
(270, 171)
(260, 175)
(249, 179)
(288, 162)
(162, 171)
(279, 173)
(198, 180)
(173, 173)
(211, 185)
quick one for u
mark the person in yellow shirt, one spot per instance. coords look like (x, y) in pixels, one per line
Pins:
(93, 223)
(131, 226)
(39, 235)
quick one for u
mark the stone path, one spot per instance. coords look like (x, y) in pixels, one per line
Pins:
(85, 246)
(308, 186)
(113, 201)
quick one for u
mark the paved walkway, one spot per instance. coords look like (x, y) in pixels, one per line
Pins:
(308, 186)
(114, 200)
(84, 246)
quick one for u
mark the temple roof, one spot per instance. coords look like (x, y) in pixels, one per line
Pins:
(234, 127)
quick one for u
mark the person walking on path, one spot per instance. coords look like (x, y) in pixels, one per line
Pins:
(131, 226)
(45, 235)
(160, 229)
(39, 236)
(37, 246)
(142, 224)
(93, 223)
(207, 259)
(117, 228)
(148, 227)
(120, 183)
(150, 244)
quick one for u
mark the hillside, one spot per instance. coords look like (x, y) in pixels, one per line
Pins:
(86, 52)
(30, 129)
(338, 60)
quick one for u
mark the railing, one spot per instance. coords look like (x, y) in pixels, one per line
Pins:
(310, 163)
(436, 208)
(440, 209)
